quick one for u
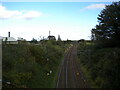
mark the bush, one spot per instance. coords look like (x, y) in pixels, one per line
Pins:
(27, 65)
(102, 65)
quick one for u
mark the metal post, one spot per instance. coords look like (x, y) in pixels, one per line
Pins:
(0, 64)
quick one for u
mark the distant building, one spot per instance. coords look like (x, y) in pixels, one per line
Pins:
(21, 39)
(9, 40)
(51, 38)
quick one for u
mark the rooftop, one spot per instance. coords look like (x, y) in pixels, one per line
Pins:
(9, 39)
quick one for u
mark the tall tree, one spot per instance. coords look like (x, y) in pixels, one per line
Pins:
(34, 41)
(107, 32)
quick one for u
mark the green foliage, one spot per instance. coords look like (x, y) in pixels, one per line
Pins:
(102, 65)
(101, 59)
(26, 65)
(106, 33)
(38, 53)
(34, 41)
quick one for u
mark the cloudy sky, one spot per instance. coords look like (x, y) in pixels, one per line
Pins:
(72, 20)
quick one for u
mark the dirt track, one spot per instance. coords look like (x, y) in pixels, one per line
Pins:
(70, 75)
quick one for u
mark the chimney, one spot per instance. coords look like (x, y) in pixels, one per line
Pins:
(8, 34)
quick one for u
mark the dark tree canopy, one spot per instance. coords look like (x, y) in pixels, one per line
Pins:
(34, 41)
(107, 32)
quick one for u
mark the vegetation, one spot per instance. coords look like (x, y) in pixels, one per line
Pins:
(28, 65)
(100, 59)
(34, 41)
(35, 65)
(101, 66)
(107, 33)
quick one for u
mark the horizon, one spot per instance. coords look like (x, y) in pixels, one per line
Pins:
(70, 20)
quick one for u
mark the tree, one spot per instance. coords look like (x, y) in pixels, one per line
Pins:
(107, 32)
(34, 41)
(59, 39)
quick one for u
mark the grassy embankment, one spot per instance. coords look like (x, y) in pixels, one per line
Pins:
(32, 66)
(100, 65)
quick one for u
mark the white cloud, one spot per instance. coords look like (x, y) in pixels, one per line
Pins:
(96, 6)
(6, 14)
(31, 14)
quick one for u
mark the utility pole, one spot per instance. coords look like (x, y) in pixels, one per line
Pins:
(49, 32)
(49, 35)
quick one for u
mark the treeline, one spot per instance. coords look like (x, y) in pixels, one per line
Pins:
(100, 58)
(32, 65)
(107, 32)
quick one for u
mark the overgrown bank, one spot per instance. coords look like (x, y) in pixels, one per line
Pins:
(30, 65)
(100, 65)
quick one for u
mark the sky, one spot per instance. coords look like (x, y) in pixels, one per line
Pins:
(70, 20)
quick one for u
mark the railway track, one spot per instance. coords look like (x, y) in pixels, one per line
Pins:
(70, 75)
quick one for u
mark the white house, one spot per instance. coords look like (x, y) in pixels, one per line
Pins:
(9, 40)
